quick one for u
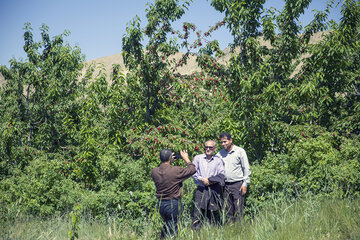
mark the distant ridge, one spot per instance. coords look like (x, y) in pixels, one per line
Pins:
(108, 61)
(191, 65)
(2, 79)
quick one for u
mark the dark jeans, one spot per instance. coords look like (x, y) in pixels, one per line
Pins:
(170, 211)
(234, 201)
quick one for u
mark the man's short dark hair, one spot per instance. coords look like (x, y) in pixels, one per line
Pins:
(165, 155)
(225, 134)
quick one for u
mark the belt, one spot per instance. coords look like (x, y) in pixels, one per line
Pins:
(230, 183)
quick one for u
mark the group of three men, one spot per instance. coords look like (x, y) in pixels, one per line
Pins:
(221, 180)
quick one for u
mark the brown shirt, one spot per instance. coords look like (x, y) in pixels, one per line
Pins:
(168, 180)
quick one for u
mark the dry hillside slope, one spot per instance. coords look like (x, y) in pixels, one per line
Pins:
(107, 62)
(191, 65)
(2, 79)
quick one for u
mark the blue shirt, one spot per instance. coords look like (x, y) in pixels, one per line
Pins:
(206, 168)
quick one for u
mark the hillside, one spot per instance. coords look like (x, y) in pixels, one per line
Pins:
(191, 65)
(2, 79)
(108, 61)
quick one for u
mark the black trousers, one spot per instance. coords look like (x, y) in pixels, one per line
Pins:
(207, 207)
(202, 215)
(234, 201)
(170, 211)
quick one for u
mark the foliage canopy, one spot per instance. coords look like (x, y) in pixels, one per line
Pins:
(292, 104)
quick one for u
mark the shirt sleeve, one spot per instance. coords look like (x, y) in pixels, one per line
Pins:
(185, 173)
(245, 167)
(197, 177)
(221, 167)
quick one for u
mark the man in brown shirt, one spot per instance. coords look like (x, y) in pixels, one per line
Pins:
(168, 182)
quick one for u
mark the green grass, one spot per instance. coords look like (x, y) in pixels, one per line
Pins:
(310, 218)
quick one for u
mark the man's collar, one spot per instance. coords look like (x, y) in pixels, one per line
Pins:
(232, 149)
(165, 164)
(205, 157)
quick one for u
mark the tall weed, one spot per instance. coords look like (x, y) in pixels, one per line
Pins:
(311, 217)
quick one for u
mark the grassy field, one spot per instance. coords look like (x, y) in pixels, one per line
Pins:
(304, 219)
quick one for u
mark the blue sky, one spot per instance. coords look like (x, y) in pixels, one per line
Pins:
(97, 26)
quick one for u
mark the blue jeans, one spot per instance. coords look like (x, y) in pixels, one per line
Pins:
(169, 211)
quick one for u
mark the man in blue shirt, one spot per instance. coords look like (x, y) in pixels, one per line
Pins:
(209, 178)
(237, 176)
